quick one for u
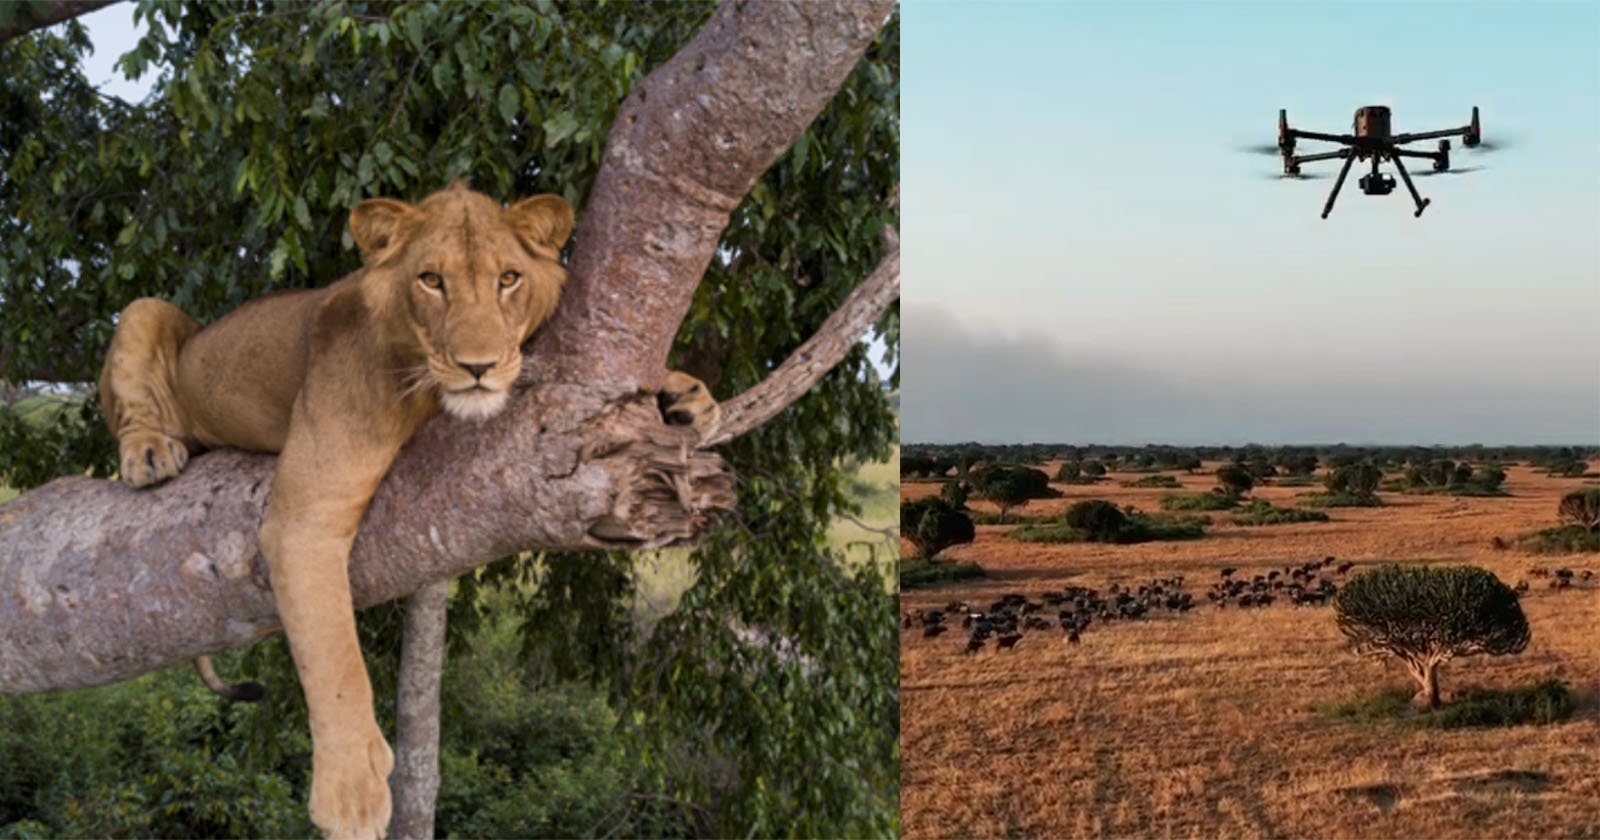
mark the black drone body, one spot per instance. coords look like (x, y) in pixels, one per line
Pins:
(1371, 140)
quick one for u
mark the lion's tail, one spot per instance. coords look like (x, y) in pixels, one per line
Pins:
(248, 692)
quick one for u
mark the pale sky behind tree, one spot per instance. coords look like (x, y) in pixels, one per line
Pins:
(1089, 258)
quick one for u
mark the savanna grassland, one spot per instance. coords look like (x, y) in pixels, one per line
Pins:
(1215, 722)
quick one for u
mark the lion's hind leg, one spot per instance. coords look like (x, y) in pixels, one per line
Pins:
(138, 390)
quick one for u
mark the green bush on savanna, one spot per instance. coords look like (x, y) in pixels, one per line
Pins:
(1262, 512)
(1579, 511)
(1210, 500)
(1545, 702)
(1097, 520)
(1159, 480)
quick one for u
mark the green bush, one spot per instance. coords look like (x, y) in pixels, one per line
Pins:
(1543, 703)
(1160, 480)
(1563, 539)
(1329, 500)
(1199, 501)
(1136, 528)
(1261, 512)
(915, 574)
(1098, 519)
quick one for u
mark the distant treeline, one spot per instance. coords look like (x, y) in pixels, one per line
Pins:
(925, 460)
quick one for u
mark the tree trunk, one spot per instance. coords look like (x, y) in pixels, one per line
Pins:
(415, 781)
(100, 583)
(1426, 674)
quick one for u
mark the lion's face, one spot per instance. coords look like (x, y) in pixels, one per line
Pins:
(463, 281)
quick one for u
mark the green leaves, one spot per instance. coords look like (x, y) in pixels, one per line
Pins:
(510, 102)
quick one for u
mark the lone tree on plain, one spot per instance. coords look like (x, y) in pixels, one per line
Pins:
(1235, 480)
(1427, 615)
(1582, 508)
(1008, 491)
(1098, 519)
(1354, 479)
(933, 525)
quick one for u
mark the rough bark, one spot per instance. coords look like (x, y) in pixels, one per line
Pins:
(415, 781)
(1426, 673)
(100, 583)
(688, 144)
(24, 17)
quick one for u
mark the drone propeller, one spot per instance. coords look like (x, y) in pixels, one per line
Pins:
(1261, 149)
(1457, 170)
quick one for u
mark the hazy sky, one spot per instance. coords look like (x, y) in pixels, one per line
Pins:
(1089, 258)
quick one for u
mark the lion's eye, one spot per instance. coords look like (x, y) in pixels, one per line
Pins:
(510, 279)
(430, 280)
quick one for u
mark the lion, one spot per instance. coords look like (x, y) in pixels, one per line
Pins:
(336, 380)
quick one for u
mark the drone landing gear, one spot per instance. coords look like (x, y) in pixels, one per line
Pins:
(1375, 184)
(1334, 194)
(1422, 203)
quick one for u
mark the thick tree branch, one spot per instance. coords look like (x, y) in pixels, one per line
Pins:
(689, 143)
(818, 355)
(100, 583)
(20, 18)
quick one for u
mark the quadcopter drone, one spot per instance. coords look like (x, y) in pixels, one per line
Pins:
(1370, 139)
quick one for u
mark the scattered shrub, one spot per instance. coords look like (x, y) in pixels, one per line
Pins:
(1235, 480)
(1099, 520)
(915, 574)
(1329, 500)
(1261, 512)
(1546, 702)
(1563, 539)
(1161, 480)
(932, 525)
(1134, 527)
(1199, 501)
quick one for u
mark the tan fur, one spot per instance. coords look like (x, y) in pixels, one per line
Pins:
(337, 379)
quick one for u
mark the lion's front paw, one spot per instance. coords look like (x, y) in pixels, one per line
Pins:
(685, 401)
(350, 785)
(149, 457)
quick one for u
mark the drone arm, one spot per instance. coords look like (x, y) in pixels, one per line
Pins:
(1299, 159)
(1343, 171)
(1317, 135)
(1422, 203)
(1401, 139)
(1414, 154)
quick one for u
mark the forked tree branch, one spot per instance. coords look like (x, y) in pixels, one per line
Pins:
(100, 583)
(820, 353)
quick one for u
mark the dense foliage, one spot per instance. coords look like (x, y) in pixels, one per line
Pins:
(1426, 615)
(933, 525)
(234, 178)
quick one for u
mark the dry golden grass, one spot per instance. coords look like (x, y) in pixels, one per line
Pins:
(1206, 725)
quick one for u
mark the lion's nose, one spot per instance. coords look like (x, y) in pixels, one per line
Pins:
(477, 371)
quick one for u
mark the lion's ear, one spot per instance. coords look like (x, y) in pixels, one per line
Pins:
(379, 225)
(543, 222)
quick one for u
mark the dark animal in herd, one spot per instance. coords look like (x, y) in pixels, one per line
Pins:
(1559, 578)
(1077, 607)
